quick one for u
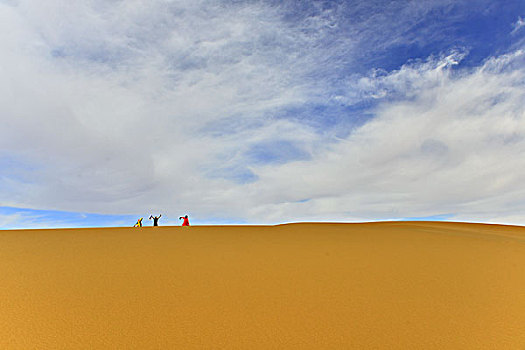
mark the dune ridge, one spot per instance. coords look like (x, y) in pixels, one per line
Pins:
(385, 285)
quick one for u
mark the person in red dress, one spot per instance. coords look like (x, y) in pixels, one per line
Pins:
(186, 222)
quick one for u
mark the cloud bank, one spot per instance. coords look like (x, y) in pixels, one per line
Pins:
(257, 111)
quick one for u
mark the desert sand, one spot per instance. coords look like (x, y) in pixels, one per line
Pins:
(391, 285)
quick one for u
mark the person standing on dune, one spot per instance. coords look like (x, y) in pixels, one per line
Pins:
(139, 223)
(186, 222)
(155, 219)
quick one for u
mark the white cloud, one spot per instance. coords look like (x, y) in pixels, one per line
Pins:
(456, 145)
(9, 220)
(518, 25)
(136, 106)
(27, 220)
(109, 109)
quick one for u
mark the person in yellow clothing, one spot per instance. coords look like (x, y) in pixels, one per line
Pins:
(139, 223)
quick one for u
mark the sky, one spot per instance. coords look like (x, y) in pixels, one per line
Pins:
(261, 112)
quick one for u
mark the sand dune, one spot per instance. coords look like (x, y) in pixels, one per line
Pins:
(397, 285)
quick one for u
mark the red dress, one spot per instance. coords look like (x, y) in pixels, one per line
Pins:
(186, 222)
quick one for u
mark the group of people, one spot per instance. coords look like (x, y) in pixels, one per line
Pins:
(185, 222)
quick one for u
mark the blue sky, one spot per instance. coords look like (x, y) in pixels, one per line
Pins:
(261, 112)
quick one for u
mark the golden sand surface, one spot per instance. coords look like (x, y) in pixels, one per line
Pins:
(392, 285)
